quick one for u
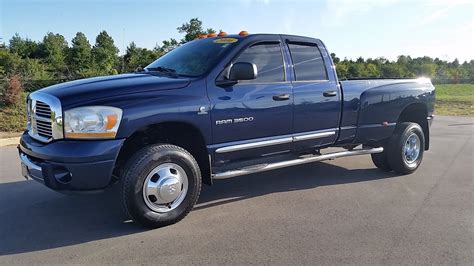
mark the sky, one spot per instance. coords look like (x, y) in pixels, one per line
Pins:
(367, 28)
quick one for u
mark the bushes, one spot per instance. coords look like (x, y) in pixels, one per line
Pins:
(12, 91)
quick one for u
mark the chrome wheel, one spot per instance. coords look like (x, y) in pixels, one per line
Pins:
(411, 149)
(165, 187)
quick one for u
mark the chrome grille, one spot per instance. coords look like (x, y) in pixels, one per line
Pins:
(44, 117)
(43, 110)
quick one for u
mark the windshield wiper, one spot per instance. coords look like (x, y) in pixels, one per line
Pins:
(165, 70)
(161, 69)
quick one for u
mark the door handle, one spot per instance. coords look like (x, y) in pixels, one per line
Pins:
(329, 93)
(281, 97)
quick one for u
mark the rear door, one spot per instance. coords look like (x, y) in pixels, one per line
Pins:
(253, 118)
(316, 93)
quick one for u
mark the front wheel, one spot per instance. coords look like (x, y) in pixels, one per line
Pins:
(405, 148)
(161, 184)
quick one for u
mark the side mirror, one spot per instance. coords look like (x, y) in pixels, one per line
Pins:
(243, 71)
(238, 71)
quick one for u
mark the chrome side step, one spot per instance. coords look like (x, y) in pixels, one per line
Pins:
(273, 166)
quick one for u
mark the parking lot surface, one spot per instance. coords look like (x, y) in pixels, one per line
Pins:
(343, 211)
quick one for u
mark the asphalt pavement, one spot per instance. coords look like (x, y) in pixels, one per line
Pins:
(343, 211)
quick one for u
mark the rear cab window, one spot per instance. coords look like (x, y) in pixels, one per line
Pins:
(308, 62)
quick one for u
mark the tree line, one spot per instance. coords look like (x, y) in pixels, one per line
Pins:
(54, 59)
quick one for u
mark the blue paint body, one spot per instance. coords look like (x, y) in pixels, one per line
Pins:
(356, 113)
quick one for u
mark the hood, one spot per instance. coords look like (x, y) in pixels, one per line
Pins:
(90, 89)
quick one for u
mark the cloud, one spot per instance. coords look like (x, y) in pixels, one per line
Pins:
(442, 9)
(338, 11)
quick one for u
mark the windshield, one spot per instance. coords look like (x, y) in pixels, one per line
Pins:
(193, 58)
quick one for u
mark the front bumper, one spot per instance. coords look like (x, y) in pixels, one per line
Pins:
(69, 165)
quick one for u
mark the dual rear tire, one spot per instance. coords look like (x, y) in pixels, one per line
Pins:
(403, 152)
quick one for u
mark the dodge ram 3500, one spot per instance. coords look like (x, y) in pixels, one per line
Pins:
(215, 108)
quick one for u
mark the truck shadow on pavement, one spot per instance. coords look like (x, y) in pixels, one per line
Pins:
(284, 180)
(33, 218)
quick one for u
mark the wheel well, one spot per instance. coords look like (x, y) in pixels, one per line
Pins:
(417, 113)
(176, 133)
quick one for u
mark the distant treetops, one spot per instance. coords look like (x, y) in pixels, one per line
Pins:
(54, 59)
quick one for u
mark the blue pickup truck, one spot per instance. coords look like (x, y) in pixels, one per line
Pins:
(214, 108)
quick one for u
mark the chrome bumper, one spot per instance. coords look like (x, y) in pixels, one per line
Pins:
(30, 169)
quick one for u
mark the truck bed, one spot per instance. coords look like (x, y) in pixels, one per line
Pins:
(371, 107)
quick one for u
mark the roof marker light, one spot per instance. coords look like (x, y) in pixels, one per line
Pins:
(211, 35)
(222, 33)
(243, 33)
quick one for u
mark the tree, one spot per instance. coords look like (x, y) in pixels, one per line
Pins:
(167, 46)
(25, 48)
(335, 59)
(104, 54)
(193, 29)
(33, 70)
(9, 63)
(136, 57)
(55, 49)
(80, 57)
(12, 91)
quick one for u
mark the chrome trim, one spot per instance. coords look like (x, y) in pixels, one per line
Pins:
(348, 127)
(378, 125)
(273, 166)
(314, 136)
(56, 116)
(253, 145)
(34, 171)
(283, 140)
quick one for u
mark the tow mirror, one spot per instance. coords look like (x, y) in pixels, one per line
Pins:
(243, 71)
(238, 71)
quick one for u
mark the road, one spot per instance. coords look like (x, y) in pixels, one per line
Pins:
(338, 212)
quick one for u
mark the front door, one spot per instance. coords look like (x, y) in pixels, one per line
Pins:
(253, 118)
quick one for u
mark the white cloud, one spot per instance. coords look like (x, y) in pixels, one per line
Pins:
(338, 11)
(441, 10)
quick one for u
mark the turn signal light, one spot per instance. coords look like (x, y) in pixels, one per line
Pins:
(243, 33)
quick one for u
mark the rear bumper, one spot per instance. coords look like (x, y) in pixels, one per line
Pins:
(69, 165)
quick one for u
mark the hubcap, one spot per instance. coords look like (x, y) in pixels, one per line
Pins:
(165, 187)
(411, 151)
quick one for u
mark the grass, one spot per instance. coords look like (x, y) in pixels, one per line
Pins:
(452, 99)
(455, 99)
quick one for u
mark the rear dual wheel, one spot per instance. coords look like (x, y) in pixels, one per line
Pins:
(404, 150)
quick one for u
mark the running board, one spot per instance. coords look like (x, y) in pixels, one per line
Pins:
(273, 166)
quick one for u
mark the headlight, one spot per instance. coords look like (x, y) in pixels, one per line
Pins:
(92, 122)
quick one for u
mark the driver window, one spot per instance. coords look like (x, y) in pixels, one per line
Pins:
(268, 59)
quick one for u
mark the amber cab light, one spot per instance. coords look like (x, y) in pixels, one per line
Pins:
(211, 35)
(222, 33)
(243, 33)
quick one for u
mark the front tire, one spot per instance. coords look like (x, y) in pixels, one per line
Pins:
(405, 148)
(160, 185)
